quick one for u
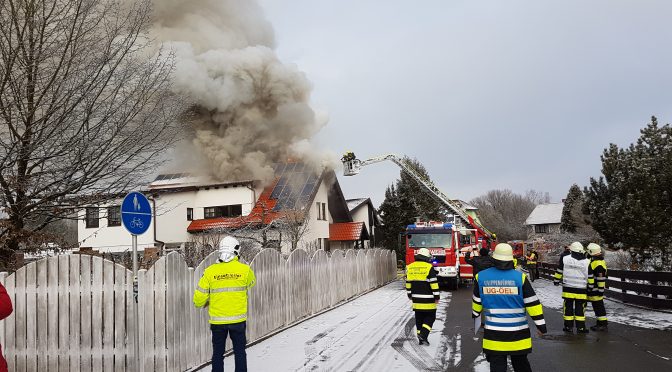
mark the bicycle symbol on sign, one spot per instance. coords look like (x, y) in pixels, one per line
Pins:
(136, 223)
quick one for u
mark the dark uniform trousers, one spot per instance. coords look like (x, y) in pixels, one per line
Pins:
(498, 362)
(574, 310)
(424, 318)
(600, 312)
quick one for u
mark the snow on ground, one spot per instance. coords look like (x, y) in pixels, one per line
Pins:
(375, 332)
(551, 297)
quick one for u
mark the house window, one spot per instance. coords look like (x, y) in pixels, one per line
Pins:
(113, 216)
(541, 229)
(190, 214)
(321, 211)
(91, 217)
(234, 210)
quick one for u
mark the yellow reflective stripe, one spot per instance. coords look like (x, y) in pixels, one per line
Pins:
(574, 296)
(427, 327)
(228, 289)
(568, 317)
(434, 286)
(507, 345)
(595, 298)
(557, 276)
(408, 285)
(579, 318)
(476, 307)
(227, 318)
(535, 310)
(431, 306)
(601, 318)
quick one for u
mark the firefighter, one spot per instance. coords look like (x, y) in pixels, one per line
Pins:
(481, 262)
(348, 156)
(532, 268)
(505, 295)
(223, 288)
(596, 295)
(422, 289)
(576, 276)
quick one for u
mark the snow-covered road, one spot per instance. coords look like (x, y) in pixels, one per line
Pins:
(375, 332)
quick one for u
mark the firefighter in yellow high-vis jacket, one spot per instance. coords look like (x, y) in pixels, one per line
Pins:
(422, 289)
(223, 289)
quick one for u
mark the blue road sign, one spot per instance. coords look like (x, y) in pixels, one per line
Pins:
(136, 213)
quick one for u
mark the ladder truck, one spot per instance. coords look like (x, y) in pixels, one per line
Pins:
(447, 241)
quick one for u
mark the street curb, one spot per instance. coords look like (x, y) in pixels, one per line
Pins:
(263, 338)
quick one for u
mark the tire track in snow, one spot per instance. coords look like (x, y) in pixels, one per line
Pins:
(324, 354)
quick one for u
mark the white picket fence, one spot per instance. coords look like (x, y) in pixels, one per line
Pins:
(74, 312)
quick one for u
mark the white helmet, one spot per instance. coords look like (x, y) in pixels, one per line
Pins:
(594, 249)
(229, 247)
(576, 247)
(424, 252)
(503, 252)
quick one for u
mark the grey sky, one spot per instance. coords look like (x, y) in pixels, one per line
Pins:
(487, 94)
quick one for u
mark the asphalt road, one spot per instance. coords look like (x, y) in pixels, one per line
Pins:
(622, 348)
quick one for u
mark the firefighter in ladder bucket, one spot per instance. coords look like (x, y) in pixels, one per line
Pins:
(422, 288)
(505, 295)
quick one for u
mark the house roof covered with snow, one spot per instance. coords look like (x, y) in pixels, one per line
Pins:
(545, 214)
(182, 181)
(356, 203)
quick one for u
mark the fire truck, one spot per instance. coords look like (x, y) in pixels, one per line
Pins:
(447, 241)
(448, 245)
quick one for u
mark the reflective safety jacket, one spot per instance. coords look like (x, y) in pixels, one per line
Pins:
(576, 275)
(532, 258)
(422, 286)
(599, 268)
(223, 288)
(505, 295)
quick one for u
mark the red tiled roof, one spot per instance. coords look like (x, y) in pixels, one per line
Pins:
(263, 209)
(346, 231)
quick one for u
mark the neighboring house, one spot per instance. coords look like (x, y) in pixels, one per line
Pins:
(362, 210)
(294, 211)
(544, 220)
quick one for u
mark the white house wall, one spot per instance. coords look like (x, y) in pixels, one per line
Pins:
(109, 239)
(316, 228)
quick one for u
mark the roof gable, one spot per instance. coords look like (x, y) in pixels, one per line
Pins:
(545, 214)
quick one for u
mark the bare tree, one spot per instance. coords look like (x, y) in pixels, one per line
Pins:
(505, 212)
(84, 110)
(294, 225)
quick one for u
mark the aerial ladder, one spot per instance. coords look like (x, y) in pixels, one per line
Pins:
(352, 166)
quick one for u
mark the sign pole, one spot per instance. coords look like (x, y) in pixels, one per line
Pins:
(136, 323)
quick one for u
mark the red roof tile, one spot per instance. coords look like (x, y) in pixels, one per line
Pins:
(263, 209)
(346, 231)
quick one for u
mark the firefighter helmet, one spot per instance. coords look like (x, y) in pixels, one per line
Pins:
(424, 252)
(576, 247)
(229, 247)
(503, 252)
(594, 249)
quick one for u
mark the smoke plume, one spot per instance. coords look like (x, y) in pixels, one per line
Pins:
(248, 109)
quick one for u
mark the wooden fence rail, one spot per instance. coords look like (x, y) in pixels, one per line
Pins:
(644, 288)
(73, 312)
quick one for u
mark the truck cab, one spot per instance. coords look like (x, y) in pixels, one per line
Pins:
(442, 241)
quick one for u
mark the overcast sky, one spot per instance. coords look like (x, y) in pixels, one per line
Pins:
(487, 94)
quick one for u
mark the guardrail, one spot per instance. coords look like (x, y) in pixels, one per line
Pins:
(643, 288)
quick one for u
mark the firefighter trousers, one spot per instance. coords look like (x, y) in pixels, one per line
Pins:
(574, 312)
(498, 362)
(424, 320)
(600, 312)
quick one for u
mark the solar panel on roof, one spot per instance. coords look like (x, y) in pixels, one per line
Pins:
(296, 183)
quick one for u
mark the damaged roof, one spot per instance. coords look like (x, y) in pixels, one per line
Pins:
(293, 189)
(545, 214)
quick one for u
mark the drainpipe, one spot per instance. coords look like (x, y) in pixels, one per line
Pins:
(163, 244)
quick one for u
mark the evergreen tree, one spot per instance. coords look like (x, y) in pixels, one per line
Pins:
(573, 201)
(405, 201)
(631, 203)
